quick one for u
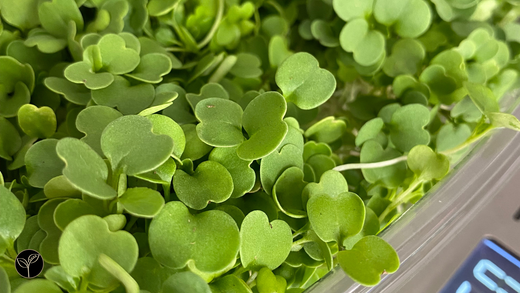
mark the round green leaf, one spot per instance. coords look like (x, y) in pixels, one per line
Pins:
(10, 141)
(38, 285)
(116, 57)
(410, 18)
(152, 68)
(185, 282)
(195, 148)
(367, 45)
(165, 125)
(262, 120)
(287, 192)
(335, 218)
(426, 164)
(331, 183)
(351, 9)
(243, 176)
(10, 103)
(368, 259)
(43, 163)
(210, 182)
(272, 166)
(263, 243)
(220, 122)
(207, 242)
(132, 147)
(12, 216)
(37, 122)
(142, 202)
(60, 186)
(89, 178)
(92, 121)
(407, 127)
(303, 82)
(70, 210)
(85, 239)
(74, 93)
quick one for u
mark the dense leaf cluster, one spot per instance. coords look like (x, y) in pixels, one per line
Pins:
(234, 146)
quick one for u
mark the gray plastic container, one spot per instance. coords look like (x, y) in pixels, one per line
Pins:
(490, 165)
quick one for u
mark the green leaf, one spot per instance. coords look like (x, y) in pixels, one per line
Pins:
(210, 182)
(407, 57)
(56, 15)
(115, 56)
(407, 127)
(57, 275)
(451, 136)
(230, 284)
(37, 122)
(409, 19)
(160, 7)
(367, 45)
(115, 222)
(368, 259)
(185, 282)
(331, 183)
(38, 285)
(127, 98)
(207, 242)
(262, 120)
(303, 82)
(369, 130)
(278, 51)
(263, 243)
(210, 90)
(483, 97)
(504, 120)
(152, 68)
(12, 217)
(132, 147)
(335, 218)
(10, 141)
(243, 175)
(70, 210)
(247, 66)
(142, 202)
(267, 282)
(48, 247)
(89, 178)
(92, 121)
(272, 166)
(195, 148)
(11, 102)
(220, 122)
(43, 163)
(81, 73)
(326, 130)
(22, 14)
(85, 239)
(74, 93)
(350, 9)
(287, 192)
(426, 164)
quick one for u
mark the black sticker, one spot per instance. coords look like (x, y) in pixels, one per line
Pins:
(29, 263)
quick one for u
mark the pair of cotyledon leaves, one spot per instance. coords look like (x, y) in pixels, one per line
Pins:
(409, 19)
(129, 144)
(114, 55)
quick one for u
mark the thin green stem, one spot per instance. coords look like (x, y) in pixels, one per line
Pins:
(213, 30)
(399, 199)
(356, 166)
(176, 49)
(166, 189)
(277, 7)
(130, 223)
(251, 279)
(83, 285)
(301, 242)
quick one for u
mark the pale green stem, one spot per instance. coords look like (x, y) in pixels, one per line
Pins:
(391, 162)
(301, 242)
(12, 252)
(251, 279)
(399, 200)
(213, 30)
(370, 165)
